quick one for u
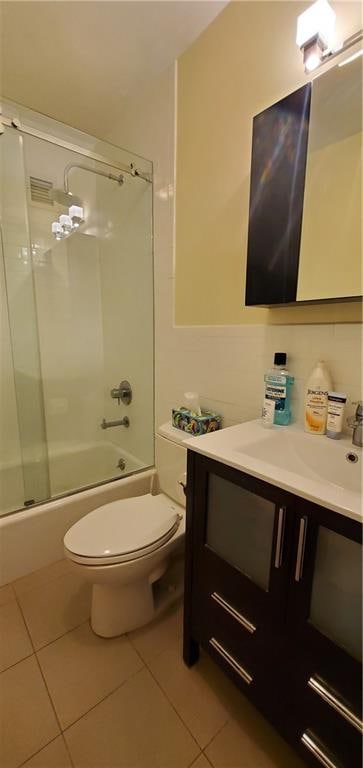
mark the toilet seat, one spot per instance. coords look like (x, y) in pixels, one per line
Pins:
(123, 530)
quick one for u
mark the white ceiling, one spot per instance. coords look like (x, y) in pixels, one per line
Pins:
(77, 60)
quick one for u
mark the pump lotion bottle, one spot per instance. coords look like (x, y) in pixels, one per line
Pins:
(316, 401)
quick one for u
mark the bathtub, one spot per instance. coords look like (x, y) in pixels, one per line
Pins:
(33, 537)
(77, 466)
(71, 467)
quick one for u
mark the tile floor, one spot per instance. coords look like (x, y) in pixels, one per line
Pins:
(69, 699)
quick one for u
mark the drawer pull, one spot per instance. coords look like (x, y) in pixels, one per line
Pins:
(231, 661)
(331, 698)
(301, 549)
(280, 537)
(232, 611)
(317, 751)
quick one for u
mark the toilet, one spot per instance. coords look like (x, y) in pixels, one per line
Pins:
(131, 550)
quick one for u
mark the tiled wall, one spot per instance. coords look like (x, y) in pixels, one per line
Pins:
(225, 364)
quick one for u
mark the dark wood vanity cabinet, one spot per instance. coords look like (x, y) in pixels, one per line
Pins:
(273, 594)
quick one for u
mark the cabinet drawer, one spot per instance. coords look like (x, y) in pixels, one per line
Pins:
(214, 576)
(222, 620)
(326, 720)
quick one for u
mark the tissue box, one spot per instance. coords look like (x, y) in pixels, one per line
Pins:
(183, 419)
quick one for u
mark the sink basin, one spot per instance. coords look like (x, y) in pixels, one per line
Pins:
(328, 472)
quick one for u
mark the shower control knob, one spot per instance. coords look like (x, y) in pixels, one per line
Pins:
(122, 393)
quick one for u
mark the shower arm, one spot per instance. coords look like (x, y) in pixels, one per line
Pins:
(105, 174)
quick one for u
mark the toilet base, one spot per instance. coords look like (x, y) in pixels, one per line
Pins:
(117, 609)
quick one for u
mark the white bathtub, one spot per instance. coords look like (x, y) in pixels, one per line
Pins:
(71, 467)
(77, 466)
(33, 537)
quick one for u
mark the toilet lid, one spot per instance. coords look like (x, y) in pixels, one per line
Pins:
(124, 529)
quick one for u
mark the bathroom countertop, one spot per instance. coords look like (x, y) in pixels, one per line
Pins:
(311, 466)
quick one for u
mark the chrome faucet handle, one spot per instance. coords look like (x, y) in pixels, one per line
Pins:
(356, 422)
(359, 409)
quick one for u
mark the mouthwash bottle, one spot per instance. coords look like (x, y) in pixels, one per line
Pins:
(278, 389)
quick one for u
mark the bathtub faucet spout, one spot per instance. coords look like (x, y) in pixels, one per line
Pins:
(125, 422)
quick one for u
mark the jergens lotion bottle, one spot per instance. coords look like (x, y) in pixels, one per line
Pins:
(316, 401)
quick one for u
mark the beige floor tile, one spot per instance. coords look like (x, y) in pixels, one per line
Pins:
(80, 669)
(27, 720)
(198, 694)
(151, 640)
(6, 594)
(201, 762)
(55, 755)
(14, 639)
(135, 726)
(250, 742)
(41, 576)
(52, 609)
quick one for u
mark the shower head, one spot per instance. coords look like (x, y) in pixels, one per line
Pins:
(64, 198)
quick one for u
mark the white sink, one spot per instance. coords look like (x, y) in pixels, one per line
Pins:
(312, 466)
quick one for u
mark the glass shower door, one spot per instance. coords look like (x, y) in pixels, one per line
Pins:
(24, 462)
(78, 289)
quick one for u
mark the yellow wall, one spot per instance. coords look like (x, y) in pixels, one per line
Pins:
(245, 60)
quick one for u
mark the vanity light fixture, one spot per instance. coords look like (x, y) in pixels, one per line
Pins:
(57, 230)
(76, 215)
(68, 222)
(315, 36)
(315, 33)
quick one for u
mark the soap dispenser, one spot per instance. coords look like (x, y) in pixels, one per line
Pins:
(278, 388)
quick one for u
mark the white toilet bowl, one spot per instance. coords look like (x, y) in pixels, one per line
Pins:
(131, 550)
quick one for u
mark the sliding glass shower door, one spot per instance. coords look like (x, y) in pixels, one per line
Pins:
(77, 277)
(24, 460)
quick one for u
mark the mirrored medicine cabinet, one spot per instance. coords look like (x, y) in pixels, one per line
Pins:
(305, 219)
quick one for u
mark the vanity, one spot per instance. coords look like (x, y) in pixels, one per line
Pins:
(273, 579)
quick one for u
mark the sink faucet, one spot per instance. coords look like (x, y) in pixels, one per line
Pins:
(357, 424)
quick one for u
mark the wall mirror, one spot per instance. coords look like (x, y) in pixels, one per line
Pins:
(305, 222)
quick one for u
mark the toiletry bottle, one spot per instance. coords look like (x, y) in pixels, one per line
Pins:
(316, 401)
(336, 406)
(278, 387)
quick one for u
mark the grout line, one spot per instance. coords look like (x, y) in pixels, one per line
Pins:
(195, 760)
(39, 750)
(68, 727)
(68, 751)
(68, 632)
(23, 658)
(42, 584)
(217, 733)
(100, 700)
(174, 708)
(207, 758)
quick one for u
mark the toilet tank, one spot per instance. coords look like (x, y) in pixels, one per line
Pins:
(171, 461)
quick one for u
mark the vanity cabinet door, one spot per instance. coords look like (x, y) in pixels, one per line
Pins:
(325, 624)
(238, 533)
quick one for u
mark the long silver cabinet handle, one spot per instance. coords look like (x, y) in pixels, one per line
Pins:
(280, 537)
(233, 612)
(301, 548)
(330, 697)
(317, 751)
(231, 661)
